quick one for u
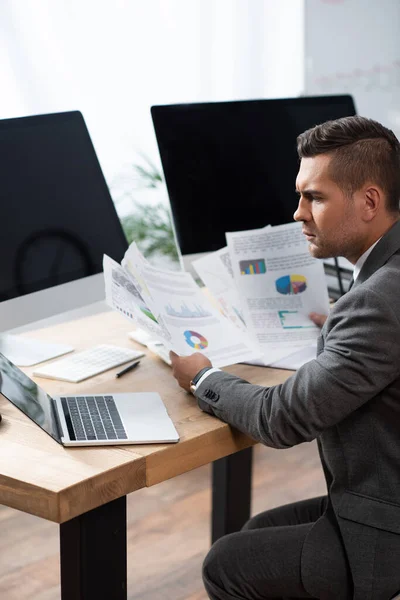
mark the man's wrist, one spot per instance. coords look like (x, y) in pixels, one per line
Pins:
(197, 377)
(200, 376)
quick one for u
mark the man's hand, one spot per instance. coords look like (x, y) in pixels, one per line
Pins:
(184, 368)
(318, 319)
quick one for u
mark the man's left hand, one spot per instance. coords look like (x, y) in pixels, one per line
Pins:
(184, 368)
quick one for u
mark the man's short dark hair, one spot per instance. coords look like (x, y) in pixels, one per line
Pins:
(362, 151)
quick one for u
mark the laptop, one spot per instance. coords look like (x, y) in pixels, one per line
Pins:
(89, 420)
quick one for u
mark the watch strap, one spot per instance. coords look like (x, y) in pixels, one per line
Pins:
(198, 375)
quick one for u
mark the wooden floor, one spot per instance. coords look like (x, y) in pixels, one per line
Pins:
(168, 531)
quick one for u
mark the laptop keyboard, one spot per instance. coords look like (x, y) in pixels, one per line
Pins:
(93, 418)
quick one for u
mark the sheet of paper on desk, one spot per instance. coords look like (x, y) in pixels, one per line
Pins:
(292, 361)
(25, 352)
(187, 320)
(279, 283)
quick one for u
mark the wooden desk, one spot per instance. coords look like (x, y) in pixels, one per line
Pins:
(84, 489)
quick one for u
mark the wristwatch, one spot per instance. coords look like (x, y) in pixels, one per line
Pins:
(196, 379)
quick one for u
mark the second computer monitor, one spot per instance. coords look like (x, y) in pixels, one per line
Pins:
(231, 166)
(58, 218)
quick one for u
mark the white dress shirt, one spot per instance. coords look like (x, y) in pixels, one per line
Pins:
(362, 259)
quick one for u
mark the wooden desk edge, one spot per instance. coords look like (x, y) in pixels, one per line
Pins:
(74, 500)
(199, 451)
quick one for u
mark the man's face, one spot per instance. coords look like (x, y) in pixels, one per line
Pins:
(330, 218)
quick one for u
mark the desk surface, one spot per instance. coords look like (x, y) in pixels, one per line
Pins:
(41, 477)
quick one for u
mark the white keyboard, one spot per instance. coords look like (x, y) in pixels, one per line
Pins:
(85, 364)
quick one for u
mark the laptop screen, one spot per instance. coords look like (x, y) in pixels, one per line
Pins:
(26, 395)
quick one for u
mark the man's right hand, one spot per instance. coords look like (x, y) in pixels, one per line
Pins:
(318, 319)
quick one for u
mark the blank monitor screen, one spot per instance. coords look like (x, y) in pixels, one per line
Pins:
(232, 166)
(57, 215)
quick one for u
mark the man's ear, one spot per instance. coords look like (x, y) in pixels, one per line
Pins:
(373, 201)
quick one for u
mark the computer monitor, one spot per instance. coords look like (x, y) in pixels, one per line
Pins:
(232, 166)
(57, 215)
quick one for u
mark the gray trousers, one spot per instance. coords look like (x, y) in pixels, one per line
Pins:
(263, 560)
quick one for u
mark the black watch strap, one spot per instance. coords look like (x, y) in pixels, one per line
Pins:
(200, 374)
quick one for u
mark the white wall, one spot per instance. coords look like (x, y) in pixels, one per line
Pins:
(353, 46)
(114, 59)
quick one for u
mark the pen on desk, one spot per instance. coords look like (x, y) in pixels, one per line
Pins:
(127, 369)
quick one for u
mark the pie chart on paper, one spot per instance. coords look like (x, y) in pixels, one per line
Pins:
(195, 340)
(291, 284)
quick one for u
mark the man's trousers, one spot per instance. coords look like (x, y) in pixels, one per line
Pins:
(263, 560)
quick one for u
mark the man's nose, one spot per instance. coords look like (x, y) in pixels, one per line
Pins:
(302, 212)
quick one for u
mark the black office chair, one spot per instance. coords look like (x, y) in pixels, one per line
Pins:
(44, 254)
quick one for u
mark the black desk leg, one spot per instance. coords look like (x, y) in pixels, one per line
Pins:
(93, 554)
(231, 493)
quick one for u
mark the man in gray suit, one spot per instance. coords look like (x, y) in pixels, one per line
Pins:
(346, 544)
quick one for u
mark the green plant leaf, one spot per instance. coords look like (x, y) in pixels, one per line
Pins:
(150, 227)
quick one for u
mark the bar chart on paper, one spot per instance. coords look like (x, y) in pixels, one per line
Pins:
(252, 267)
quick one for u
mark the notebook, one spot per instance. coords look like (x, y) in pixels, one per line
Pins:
(88, 419)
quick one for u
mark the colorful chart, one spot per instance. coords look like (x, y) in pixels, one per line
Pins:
(199, 342)
(293, 319)
(291, 284)
(186, 312)
(146, 311)
(252, 267)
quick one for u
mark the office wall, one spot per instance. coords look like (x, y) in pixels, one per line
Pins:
(113, 60)
(353, 46)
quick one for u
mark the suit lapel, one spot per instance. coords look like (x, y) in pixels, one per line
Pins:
(385, 248)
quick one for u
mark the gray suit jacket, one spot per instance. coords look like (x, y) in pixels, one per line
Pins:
(349, 400)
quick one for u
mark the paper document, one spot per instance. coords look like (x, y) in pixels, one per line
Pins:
(25, 352)
(173, 309)
(260, 290)
(125, 294)
(279, 283)
(295, 360)
(215, 271)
